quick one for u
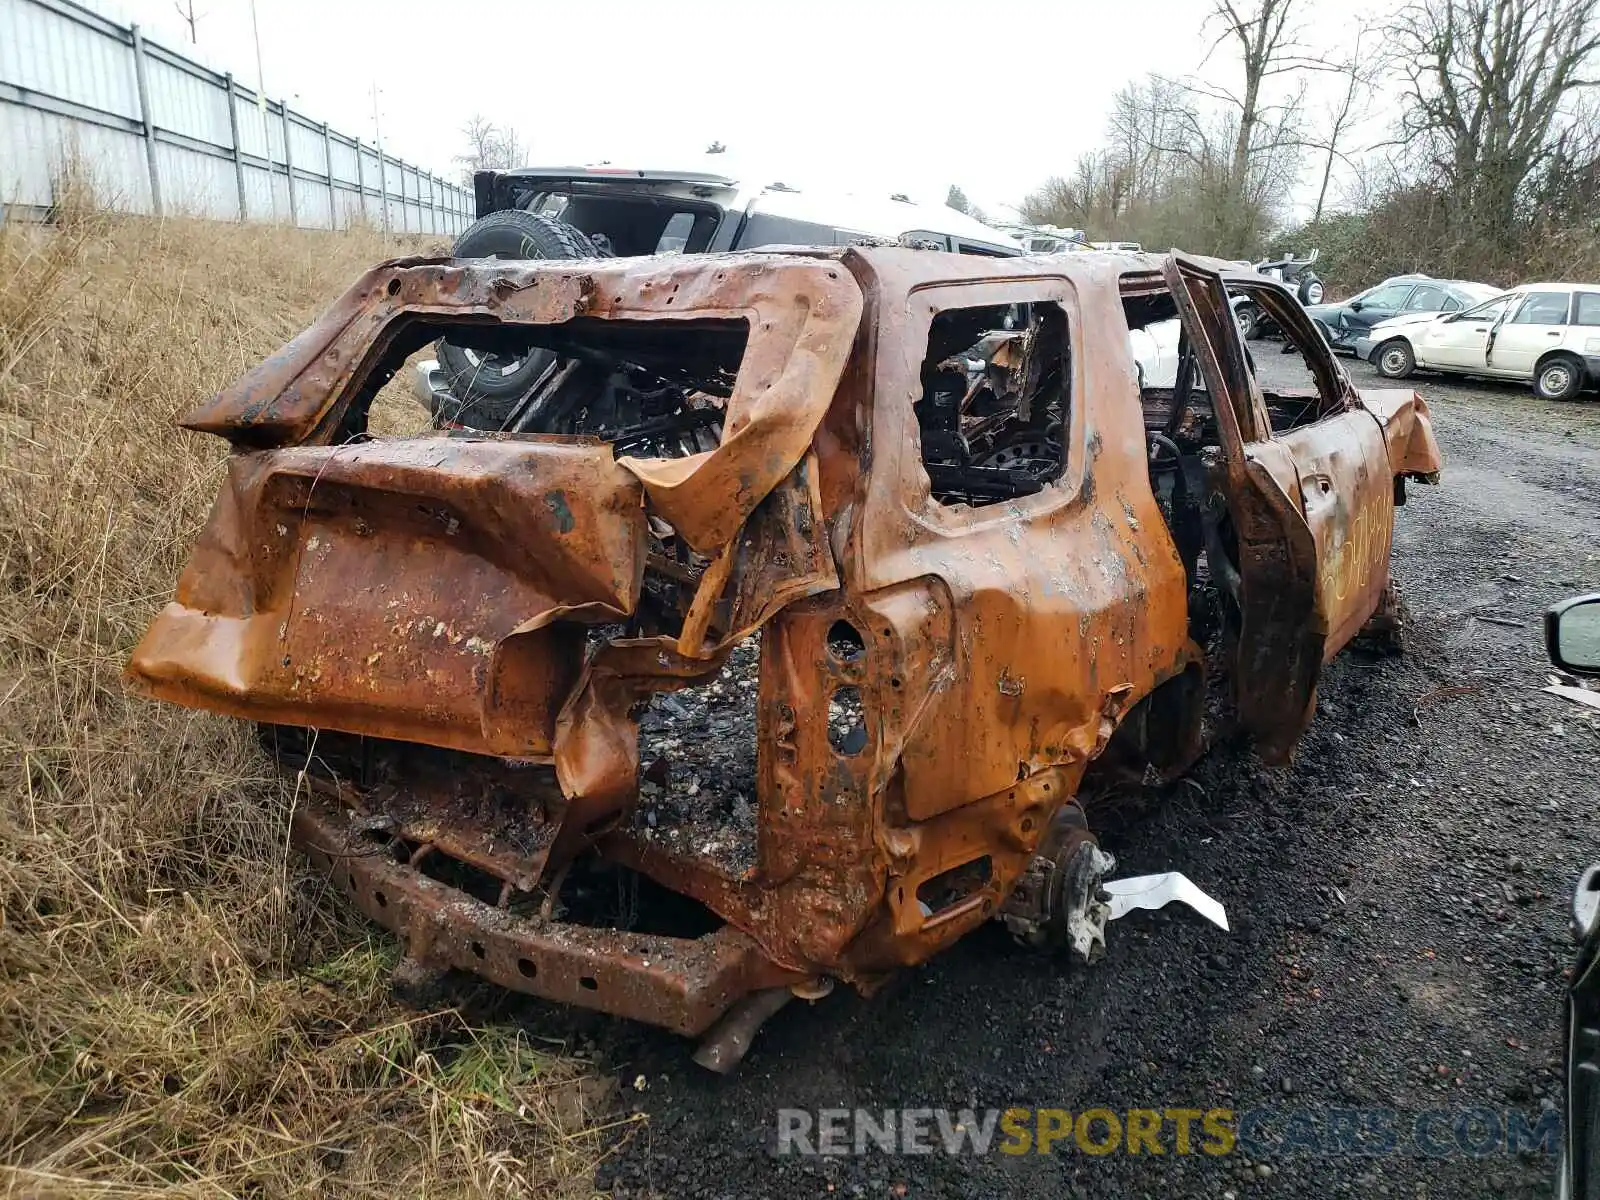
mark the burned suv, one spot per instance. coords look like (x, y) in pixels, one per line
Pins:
(782, 654)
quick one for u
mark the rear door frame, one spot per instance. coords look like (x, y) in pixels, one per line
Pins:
(1312, 509)
(1548, 336)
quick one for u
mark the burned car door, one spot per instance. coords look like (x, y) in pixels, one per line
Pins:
(1007, 532)
(1309, 485)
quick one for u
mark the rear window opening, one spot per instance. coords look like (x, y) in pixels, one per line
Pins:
(650, 388)
(995, 403)
(654, 389)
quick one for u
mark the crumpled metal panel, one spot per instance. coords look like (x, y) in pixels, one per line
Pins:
(1407, 432)
(454, 555)
(406, 589)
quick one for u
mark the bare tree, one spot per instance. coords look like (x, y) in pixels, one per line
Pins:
(1261, 32)
(1359, 72)
(481, 136)
(490, 147)
(1488, 88)
(1265, 140)
(1151, 132)
(510, 150)
(189, 17)
(1164, 176)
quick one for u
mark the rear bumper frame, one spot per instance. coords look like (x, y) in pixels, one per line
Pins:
(680, 984)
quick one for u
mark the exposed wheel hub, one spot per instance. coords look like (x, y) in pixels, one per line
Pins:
(1057, 901)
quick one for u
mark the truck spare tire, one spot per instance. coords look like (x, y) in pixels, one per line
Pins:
(485, 386)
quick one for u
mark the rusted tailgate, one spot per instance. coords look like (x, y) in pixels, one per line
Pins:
(404, 589)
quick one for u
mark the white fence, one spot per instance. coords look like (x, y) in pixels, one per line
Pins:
(162, 134)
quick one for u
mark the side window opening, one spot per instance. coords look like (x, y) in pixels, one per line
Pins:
(1392, 295)
(1490, 311)
(1542, 308)
(548, 204)
(676, 233)
(995, 405)
(1293, 393)
(1291, 389)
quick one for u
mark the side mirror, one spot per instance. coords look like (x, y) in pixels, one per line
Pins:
(1357, 305)
(1572, 634)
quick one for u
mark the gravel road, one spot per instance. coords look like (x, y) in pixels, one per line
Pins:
(1398, 900)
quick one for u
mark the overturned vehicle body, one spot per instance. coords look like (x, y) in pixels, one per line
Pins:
(914, 522)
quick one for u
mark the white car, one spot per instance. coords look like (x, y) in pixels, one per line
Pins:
(1155, 350)
(1545, 333)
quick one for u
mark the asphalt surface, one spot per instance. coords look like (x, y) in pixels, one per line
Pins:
(1398, 900)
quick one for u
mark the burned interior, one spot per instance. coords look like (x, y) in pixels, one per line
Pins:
(649, 389)
(771, 640)
(995, 398)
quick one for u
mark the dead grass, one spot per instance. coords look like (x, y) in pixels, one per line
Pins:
(181, 1010)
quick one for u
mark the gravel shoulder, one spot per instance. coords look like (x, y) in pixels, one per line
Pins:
(1398, 898)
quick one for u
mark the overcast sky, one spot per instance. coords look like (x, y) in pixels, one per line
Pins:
(869, 94)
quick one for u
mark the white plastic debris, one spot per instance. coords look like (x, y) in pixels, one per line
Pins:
(1577, 695)
(1158, 891)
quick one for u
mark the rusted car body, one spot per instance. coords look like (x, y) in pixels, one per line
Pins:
(455, 636)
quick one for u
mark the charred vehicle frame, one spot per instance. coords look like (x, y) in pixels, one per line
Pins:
(974, 564)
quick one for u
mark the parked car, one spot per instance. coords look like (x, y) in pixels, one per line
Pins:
(605, 211)
(1572, 638)
(1545, 333)
(904, 520)
(1345, 321)
(1294, 273)
(1045, 239)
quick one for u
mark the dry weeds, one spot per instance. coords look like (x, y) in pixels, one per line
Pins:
(181, 1009)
